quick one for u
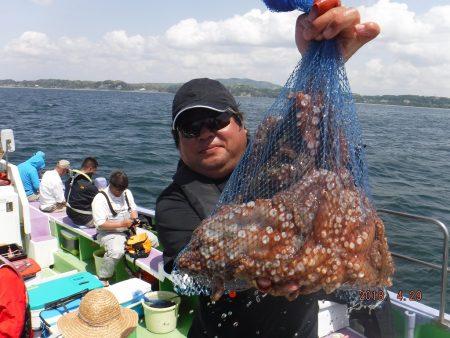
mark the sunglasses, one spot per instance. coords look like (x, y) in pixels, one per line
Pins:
(193, 129)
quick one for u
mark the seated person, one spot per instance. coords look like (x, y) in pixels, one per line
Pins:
(29, 174)
(100, 183)
(52, 188)
(80, 192)
(114, 212)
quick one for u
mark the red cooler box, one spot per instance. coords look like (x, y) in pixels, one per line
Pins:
(27, 267)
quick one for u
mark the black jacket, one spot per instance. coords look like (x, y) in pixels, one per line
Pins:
(79, 193)
(179, 210)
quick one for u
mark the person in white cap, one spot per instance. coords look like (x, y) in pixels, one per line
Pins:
(52, 188)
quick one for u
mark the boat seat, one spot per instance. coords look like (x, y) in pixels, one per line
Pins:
(36, 204)
(42, 244)
(40, 229)
(153, 260)
(84, 230)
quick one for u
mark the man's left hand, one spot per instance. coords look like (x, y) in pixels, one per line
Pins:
(340, 22)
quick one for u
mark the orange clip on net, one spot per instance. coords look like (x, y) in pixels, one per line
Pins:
(325, 5)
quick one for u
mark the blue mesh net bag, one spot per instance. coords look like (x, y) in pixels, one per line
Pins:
(297, 208)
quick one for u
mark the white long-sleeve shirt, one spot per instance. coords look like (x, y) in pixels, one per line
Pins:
(51, 189)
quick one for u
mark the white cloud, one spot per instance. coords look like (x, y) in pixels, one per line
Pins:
(411, 48)
(397, 21)
(32, 44)
(255, 28)
(118, 44)
(409, 57)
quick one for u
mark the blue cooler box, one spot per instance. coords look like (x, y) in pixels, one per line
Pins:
(51, 316)
(128, 293)
(55, 289)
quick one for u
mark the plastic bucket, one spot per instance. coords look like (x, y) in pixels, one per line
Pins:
(98, 259)
(161, 319)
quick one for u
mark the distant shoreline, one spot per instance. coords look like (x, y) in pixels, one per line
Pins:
(396, 105)
(81, 89)
(238, 87)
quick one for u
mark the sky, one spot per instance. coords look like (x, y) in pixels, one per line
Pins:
(174, 41)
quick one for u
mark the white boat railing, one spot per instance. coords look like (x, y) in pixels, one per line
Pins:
(444, 267)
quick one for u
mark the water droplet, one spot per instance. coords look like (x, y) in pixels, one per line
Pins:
(219, 325)
(257, 333)
(223, 316)
(230, 313)
(235, 324)
(191, 311)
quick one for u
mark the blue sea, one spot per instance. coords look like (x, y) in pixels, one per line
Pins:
(407, 150)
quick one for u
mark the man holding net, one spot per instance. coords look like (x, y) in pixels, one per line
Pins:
(210, 133)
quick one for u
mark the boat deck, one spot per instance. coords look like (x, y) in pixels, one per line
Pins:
(40, 234)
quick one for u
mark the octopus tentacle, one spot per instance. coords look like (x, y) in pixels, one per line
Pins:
(343, 243)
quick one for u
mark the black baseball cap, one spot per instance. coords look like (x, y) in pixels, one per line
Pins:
(203, 93)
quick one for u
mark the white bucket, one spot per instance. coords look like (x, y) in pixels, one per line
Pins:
(161, 320)
(98, 259)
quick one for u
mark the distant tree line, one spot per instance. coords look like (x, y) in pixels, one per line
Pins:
(405, 100)
(238, 87)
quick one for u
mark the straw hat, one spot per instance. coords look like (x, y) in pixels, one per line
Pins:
(99, 315)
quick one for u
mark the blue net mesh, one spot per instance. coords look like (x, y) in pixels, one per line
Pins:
(289, 5)
(297, 208)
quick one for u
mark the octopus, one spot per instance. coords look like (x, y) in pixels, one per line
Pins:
(321, 233)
